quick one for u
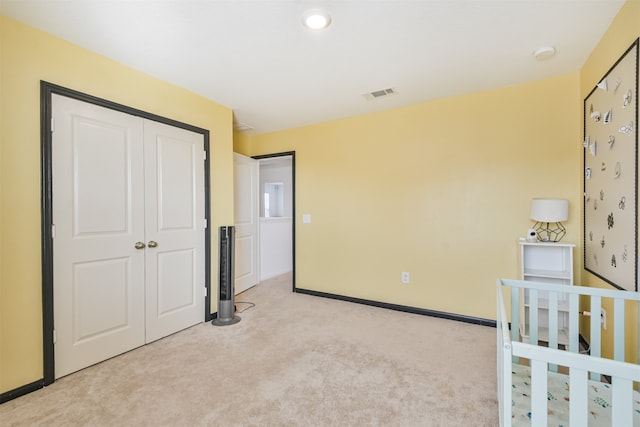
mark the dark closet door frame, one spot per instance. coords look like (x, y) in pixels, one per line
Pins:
(293, 207)
(46, 91)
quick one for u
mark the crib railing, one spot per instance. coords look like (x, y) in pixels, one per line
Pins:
(504, 359)
(542, 359)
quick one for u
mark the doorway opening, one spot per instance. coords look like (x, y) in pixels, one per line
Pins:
(277, 194)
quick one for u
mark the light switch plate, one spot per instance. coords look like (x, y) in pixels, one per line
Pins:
(306, 218)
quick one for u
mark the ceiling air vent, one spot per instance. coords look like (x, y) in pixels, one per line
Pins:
(379, 93)
(241, 127)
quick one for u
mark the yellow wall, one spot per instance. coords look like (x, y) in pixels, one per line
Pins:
(620, 35)
(242, 143)
(440, 189)
(26, 57)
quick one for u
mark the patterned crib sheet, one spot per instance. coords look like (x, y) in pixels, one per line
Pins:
(599, 397)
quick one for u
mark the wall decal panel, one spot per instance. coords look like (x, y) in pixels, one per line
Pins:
(611, 174)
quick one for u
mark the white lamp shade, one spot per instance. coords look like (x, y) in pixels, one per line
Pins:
(549, 210)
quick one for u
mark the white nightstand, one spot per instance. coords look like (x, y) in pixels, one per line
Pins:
(549, 263)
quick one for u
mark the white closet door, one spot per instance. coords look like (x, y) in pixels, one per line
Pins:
(128, 209)
(98, 212)
(246, 183)
(174, 177)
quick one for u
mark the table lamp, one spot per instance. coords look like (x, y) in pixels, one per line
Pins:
(548, 214)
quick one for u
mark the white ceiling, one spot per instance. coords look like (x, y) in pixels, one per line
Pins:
(256, 57)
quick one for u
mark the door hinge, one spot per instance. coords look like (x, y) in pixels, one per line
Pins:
(55, 336)
(205, 292)
(53, 231)
(53, 125)
(204, 155)
(206, 223)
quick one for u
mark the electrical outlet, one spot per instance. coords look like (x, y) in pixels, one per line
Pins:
(405, 277)
(603, 318)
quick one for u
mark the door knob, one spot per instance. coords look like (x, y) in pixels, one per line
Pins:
(139, 245)
(152, 244)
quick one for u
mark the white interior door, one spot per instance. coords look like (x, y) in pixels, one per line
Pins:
(112, 292)
(246, 182)
(174, 228)
(98, 212)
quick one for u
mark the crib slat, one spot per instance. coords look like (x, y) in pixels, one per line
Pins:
(533, 316)
(595, 331)
(574, 328)
(553, 320)
(618, 329)
(538, 393)
(553, 325)
(515, 314)
(516, 318)
(621, 402)
(578, 394)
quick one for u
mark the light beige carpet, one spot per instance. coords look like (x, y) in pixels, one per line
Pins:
(293, 360)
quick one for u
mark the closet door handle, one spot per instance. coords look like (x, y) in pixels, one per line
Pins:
(152, 244)
(139, 245)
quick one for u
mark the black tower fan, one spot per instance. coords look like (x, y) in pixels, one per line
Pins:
(226, 291)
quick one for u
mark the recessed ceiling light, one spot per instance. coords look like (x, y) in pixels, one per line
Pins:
(544, 53)
(316, 19)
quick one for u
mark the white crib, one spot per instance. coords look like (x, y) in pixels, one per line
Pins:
(541, 385)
